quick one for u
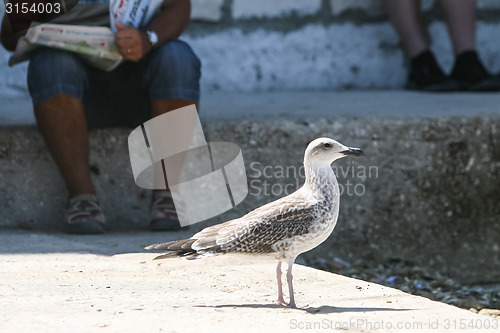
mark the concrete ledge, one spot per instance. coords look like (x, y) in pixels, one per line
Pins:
(312, 105)
(427, 191)
(56, 283)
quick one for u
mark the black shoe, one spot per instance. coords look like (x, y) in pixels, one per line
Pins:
(470, 73)
(163, 214)
(426, 75)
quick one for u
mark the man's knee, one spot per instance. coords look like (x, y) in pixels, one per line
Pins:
(52, 72)
(173, 71)
(176, 61)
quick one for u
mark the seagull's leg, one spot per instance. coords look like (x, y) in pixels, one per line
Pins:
(281, 301)
(289, 279)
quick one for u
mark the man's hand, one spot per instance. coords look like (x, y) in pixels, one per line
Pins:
(132, 43)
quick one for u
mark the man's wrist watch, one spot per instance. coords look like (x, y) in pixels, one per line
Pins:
(152, 37)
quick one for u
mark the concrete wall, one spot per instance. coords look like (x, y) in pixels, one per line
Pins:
(427, 191)
(303, 44)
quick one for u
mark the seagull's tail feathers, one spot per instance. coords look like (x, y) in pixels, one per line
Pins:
(183, 248)
(166, 256)
(183, 244)
(178, 248)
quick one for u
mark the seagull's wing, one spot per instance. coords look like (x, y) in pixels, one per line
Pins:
(256, 232)
(260, 230)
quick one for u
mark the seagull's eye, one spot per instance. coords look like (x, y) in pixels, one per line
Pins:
(327, 145)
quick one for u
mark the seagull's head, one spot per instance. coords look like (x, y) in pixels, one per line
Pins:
(324, 151)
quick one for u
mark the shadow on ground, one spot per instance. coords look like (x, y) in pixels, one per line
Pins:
(314, 310)
(108, 244)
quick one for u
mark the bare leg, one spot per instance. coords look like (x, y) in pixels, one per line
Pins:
(289, 279)
(281, 300)
(405, 17)
(62, 122)
(160, 107)
(163, 214)
(461, 22)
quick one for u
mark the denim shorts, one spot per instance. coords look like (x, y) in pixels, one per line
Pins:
(123, 96)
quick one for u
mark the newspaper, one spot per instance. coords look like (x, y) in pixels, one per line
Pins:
(95, 45)
(135, 13)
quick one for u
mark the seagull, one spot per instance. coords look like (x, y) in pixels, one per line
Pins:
(282, 229)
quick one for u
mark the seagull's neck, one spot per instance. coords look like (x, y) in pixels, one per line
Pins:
(321, 181)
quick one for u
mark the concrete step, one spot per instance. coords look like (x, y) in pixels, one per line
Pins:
(60, 283)
(293, 105)
(426, 191)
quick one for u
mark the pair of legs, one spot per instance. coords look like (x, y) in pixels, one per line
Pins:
(468, 72)
(459, 16)
(63, 124)
(69, 96)
(289, 280)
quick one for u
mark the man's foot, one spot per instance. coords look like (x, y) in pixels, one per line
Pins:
(426, 75)
(84, 215)
(470, 73)
(163, 214)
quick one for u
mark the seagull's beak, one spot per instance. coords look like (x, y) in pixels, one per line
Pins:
(353, 152)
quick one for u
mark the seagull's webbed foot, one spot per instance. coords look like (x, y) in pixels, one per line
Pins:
(294, 306)
(291, 306)
(282, 302)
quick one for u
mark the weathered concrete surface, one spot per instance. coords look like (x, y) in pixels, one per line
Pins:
(242, 9)
(206, 10)
(60, 283)
(427, 189)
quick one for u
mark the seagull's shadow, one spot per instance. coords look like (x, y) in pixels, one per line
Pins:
(313, 310)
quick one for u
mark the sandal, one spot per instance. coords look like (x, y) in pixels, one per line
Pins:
(84, 215)
(163, 214)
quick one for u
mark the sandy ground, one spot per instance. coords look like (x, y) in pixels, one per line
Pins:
(60, 283)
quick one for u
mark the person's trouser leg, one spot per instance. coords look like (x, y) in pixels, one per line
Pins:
(61, 120)
(171, 77)
(57, 80)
